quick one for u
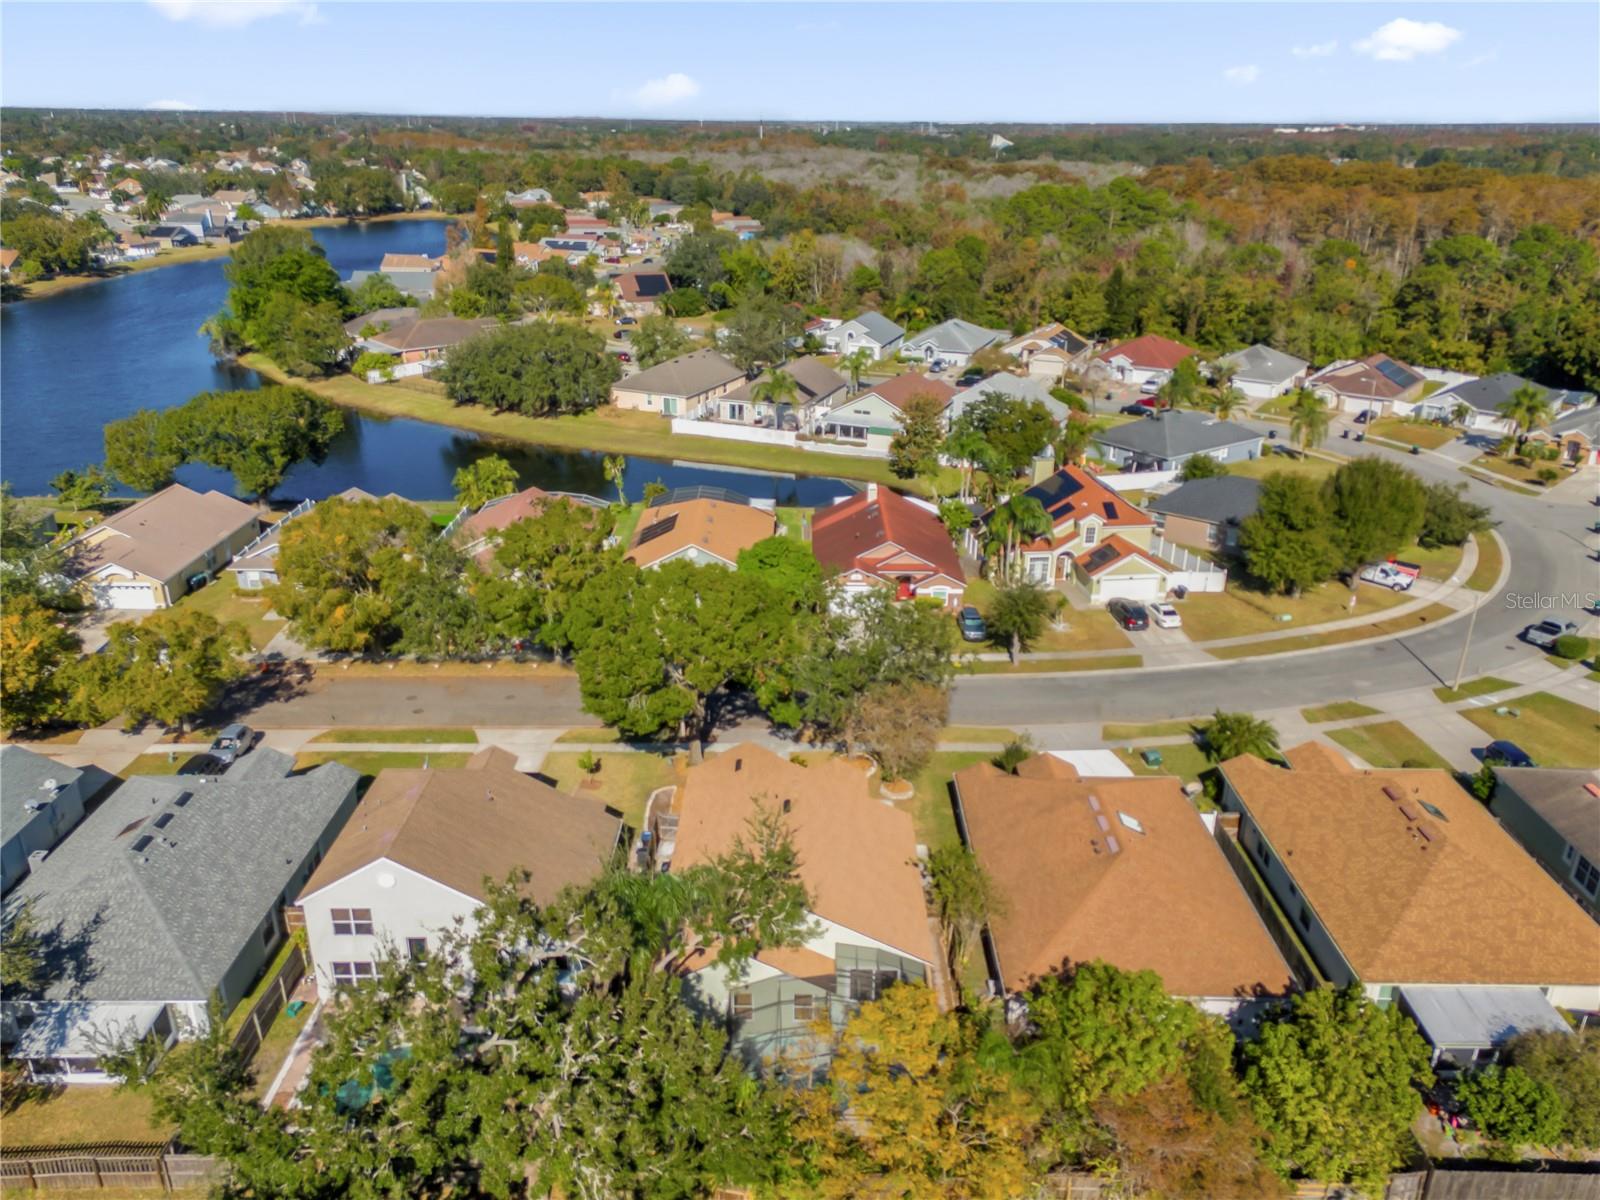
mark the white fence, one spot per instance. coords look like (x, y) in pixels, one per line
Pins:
(403, 371)
(1195, 572)
(734, 433)
(1136, 481)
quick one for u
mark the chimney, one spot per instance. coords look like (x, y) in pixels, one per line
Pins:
(872, 492)
(1043, 466)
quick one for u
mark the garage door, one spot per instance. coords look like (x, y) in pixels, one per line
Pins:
(1132, 587)
(124, 595)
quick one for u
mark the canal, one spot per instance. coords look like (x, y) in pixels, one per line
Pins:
(71, 362)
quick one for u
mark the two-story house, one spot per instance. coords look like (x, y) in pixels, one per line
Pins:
(871, 331)
(1555, 813)
(41, 801)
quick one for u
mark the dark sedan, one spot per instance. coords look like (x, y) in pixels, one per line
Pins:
(1128, 614)
(1507, 754)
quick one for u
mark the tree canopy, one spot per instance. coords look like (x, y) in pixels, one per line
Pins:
(536, 369)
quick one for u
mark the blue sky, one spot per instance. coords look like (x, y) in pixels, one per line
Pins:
(1094, 62)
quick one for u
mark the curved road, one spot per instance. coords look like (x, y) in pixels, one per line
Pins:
(1550, 553)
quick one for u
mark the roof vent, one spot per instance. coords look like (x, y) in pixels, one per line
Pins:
(1391, 793)
(49, 785)
(788, 804)
(1131, 822)
(1112, 844)
(1100, 820)
(738, 764)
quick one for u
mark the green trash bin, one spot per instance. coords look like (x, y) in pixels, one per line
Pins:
(1152, 758)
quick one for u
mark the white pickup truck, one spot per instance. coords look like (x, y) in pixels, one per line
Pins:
(1397, 576)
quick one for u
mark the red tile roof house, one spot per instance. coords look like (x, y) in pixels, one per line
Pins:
(477, 535)
(879, 538)
(872, 416)
(1144, 358)
(1373, 384)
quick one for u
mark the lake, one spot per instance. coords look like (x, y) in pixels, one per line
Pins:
(70, 363)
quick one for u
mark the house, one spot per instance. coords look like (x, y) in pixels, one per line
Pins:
(1050, 351)
(531, 254)
(1167, 439)
(413, 338)
(1402, 883)
(417, 283)
(858, 863)
(1372, 385)
(873, 415)
(1145, 358)
(639, 293)
(818, 387)
(1575, 434)
(477, 535)
(129, 186)
(1119, 869)
(1482, 399)
(169, 894)
(409, 262)
(871, 330)
(662, 208)
(41, 801)
(1554, 812)
(594, 200)
(256, 565)
(1260, 372)
(171, 237)
(154, 551)
(413, 861)
(8, 258)
(954, 341)
(529, 197)
(879, 538)
(699, 525)
(1206, 513)
(1028, 388)
(680, 386)
(744, 228)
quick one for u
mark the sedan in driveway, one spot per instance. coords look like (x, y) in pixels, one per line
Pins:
(971, 624)
(1166, 617)
(1128, 614)
(1503, 753)
(1545, 633)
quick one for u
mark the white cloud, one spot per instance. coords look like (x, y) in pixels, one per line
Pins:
(1315, 50)
(234, 14)
(1403, 39)
(171, 106)
(666, 91)
(1242, 75)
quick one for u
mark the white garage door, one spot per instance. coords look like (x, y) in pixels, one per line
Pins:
(1133, 587)
(124, 595)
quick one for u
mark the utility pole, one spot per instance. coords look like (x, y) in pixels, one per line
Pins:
(1461, 666)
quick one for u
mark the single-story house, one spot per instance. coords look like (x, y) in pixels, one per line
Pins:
(531, 254)
(858, 863)
(1144, 358)
(411, 863)
(639, 293)
(1554, 812)
(819, 388)
(1120, 869)
(955, 341)
(744, 228)
(1483, 399)
(879, 538)
(256, 565)
(871, 330)
(1260, 372)
(41, 801)
(698, 525)
(873, 415)
(169, 894)
(1400, 882)
(661, 208)
(418, 283)
(394, 261)
(679, 387)
(1575, 434)
(1050, 351)
(529, 197)
(1013, 387)
(1167, 439)
(8, 258)
(147, 555)
(1374, 384)
(477, 534)
(412, 338)
(1206, 514)
(171, 237)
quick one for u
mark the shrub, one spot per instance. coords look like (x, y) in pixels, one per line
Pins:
(1014, 755)
(1548, 474)
(372, 360)
(1571, 647)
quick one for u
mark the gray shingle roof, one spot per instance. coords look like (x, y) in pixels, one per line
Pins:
(1583, 420)
(687, 375)
(1263, 364)
(1175, 433)
(1016, 387)
(1217, 500)
(127, 920)
(876, 326)
(958, 336)
(22, 777)
(1489, 393)
(1561, 797)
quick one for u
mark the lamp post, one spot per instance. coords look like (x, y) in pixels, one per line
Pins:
(1461, 665)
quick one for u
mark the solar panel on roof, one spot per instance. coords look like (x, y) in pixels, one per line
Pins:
(1109, 507)
(651, 532)
(1102, 556)
(1395, 373)
(650, 285)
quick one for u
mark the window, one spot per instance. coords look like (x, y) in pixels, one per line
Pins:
(269, 932)
(735, 412)
(1091, 534)
(805, 1008)
(348, 974)
(352, 921)
(744, 1006)
(1304, 917)
(416, 949)
(1569, 853)
(1586, 875)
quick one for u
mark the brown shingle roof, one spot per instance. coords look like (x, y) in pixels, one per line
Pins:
(503, 511)
(463, 825)
(715, 526)
(408, 262)
(856, 853)
(1165, 900)
(1150, 351)
(431, 333)
(1413, 895)
(1376, 377)
(899, 390)
(161, 534)
(687, 375)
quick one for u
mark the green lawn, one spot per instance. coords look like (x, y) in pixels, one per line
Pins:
(81, 1113)
(1517, 470)
(1034, 666)
(793, 521)
(1085, 628)
(930, 805)
(224, 601)
(1438, 563)
(1155, 729)
(1342, 710)
(1555, 732)
(595, 736)
(1473, 687)
(371, 762)
(1292, 464)
(1427, 434)
(624, 781)
(351, 737)
(1403, 624)
(1490, 559)
(977, 733)
(275, 1046)
(1241, 610)
(1183, 759)
(1387, 744)
(160, 763)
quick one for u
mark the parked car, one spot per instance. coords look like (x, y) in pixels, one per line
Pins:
(613, 259)
(1134, 410)
(624, 356)
(1166, 617)
(232, 742)
(1507, 754)
(1363, 416)
(970, 622)
(1395, 576)
(1545, 633)
(629, 320)
(1129, 614)
(937, 365)
(1150, 387)
(970, 378)
(620, 334)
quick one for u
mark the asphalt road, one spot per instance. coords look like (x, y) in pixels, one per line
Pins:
(327, 700)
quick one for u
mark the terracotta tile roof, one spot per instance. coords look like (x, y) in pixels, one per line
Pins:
(1081, 884)
(161, 534)
(715, 526)
(497, 514)
(1072, 495)
(463, 825)
(1151, 351)
(1112, 550)
(899, 390)
(883, 534)
(857, 854)
(1414, 879)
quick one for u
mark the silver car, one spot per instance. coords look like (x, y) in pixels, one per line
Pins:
(231, 743)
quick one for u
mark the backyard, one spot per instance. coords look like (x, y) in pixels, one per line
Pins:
(931, 808)
(55, 1116)
(223, 600)
(1555, 732)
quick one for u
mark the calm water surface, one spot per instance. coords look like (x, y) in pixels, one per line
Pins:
(72, 362)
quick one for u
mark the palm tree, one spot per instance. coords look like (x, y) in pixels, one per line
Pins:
(1461, 413)
(1231, 734)
(1073, 440)
(615, 467)
(1308, 420)
(1527, 409)
(854, 363)
(1020, 518)
(1227, 402)
(154, 204)
(776, 387)
(968, 447)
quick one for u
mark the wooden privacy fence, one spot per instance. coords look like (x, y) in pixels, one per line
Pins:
(42, 1171)
(274, 996)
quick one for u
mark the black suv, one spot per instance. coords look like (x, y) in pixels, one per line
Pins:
(1128, 614)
